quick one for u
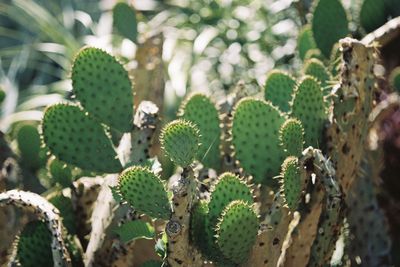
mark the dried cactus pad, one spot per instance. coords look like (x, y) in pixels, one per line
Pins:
(279, 88)
(145, 192)
(305, 41)
(309, 107)
(237, 231)
(329, 24)
(228, 188)
(34, 245)
(292, 137)
(181, 141)
(77, 139)
(103, 87)
(291, 184)
(255, 137)
(200, 110)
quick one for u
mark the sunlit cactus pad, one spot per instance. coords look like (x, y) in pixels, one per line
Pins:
(103, 87)
(237, 231)
(199, 109)
(181, 141)
(255, 137)
(144, 191)
(279, 88)
(76, 138)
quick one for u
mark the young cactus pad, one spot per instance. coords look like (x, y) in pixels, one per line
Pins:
(103, 87)
(34, 245)
(292, 137)
(279, 88)
(305, 41)
(228, 188)
(237, 230)
(255, 137)
(200, 110)
(309, 107)
(291, 186)
(181, 141)
(76, 138)
(144, 191)
(329, 24)
(315, 68)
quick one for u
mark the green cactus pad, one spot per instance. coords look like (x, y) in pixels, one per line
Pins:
(315, 68)
(329, 24)
(152, 263)
(292, 137)
(181, 141)
(200, 110)
(76, 138)
(64, 205)
(278, 89)
(103, 87)
(372, 14)
(309, 107)
(29, 145)
(60, 172)
(228, 188)
(124, 20)
(305, 41)
(144, 191)
(255, 137)
(34, 247)
(291, 186)
(394, 79)
(237, 231)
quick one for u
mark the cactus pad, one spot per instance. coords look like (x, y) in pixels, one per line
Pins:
(124, 20)
(309, 107)
(255, 137)
(394, 79)
(144, 191)
(64, 205)
(103, 87)
(60, 172)
(228, 188)
(292, 137)
(181, 141)
(372, 14)
(316, 69)
(237, 231)
(291, 183)
(200, 110)
(278, 89)
(28, 139)
(305, 41)
(198, 225)
(76, 138)
(329, 24)
(34, 247)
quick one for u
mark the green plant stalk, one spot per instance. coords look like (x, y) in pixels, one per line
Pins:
(44, 210)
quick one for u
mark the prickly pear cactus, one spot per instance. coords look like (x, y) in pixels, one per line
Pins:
(66, 127)
(279, 88)
(200, 110)
(255, 137)
(144, 191)
(291, 136)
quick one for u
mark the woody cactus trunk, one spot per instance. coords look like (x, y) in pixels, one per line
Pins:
(298, 168)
